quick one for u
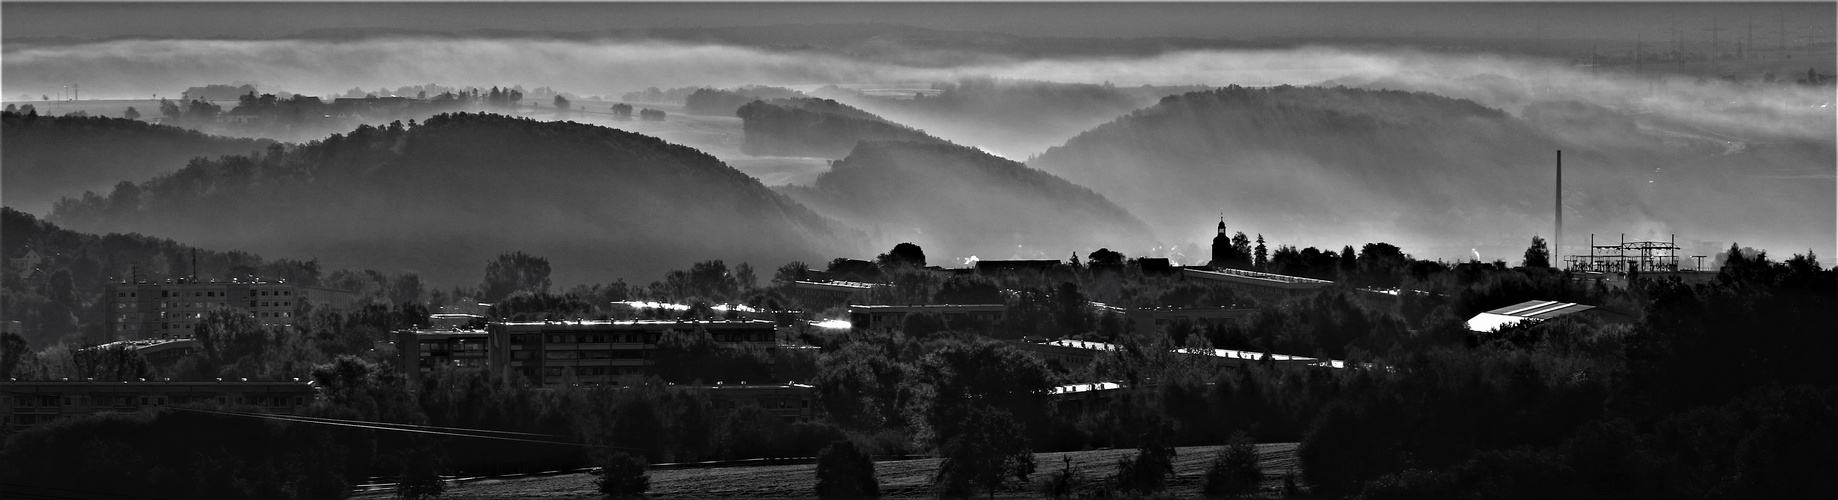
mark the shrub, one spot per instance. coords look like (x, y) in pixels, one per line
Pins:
(1234, 471)
(1148, 471)
(622, 475)
(1060, 484)
(844, 471)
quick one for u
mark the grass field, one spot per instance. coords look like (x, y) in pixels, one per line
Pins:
(899, 479)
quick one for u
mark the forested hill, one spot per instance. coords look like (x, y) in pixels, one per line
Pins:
(443, 197)
(964, 202)
(46, 157)
(1319, 164)
(815, 127)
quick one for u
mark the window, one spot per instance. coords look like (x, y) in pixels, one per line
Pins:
(553, 371)
(251, 303)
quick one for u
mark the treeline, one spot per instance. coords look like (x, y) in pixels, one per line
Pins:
(815, 127)
(47, 157)
(655, 96)
(719, 102)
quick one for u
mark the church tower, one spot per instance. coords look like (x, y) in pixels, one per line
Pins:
(1222, 246)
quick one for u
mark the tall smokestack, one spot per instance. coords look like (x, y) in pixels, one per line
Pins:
(1557, 238)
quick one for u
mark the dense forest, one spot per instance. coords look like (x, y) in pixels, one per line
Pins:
(49, 156)
(436, 198)
(961, 202)
(815, 127)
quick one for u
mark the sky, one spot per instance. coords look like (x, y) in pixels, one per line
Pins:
(1238, 20)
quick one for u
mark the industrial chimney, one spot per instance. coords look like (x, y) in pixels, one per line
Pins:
(1557, 238)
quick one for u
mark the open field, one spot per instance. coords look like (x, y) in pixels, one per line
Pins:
(899, 479)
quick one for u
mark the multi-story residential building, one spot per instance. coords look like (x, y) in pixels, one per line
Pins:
(147, 310)
(551, 353)
(420, 351)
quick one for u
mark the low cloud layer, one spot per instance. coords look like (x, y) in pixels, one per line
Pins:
(135, 68)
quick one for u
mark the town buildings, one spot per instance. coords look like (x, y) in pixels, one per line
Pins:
(148, 309)
(551, 353)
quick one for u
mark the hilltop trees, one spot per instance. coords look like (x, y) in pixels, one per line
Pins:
(1537, 255)
(514, 272)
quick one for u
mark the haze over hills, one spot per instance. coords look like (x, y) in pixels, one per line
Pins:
(958, 202)
(1330, 165)
(815, 127)
(443, 197)
(49, 157)
(1013, 118)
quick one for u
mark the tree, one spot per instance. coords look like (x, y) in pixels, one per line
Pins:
(904, 254)
(791, 271)
(1262, 254)
(990, 449)
(1537, 255)
(622, 475)
(1105, 256)
(130, 114)
(622, 110)
(561, 103)
(844, 471)
(1234, 471)
(514, 272)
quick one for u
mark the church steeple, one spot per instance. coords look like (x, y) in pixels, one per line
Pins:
(1222, 225)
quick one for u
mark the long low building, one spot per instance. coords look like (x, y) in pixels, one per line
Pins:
(26, 404)
(548, 353)
(1531, 311)
(819, 295)
(1263, 286)
(1074, 354)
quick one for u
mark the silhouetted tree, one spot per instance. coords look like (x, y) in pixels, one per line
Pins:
(622, 475)
(1537, 255)
(130, 114)
(1262, 260)
(904, 254)
(844, 471)
(514, 272)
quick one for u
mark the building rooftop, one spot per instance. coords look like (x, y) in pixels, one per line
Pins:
(1528, 311)
(1078, 388)
(837, 283)
(1256, 276)
(928, 307)
(638, 322)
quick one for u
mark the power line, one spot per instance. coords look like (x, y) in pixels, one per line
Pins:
(409, 428)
